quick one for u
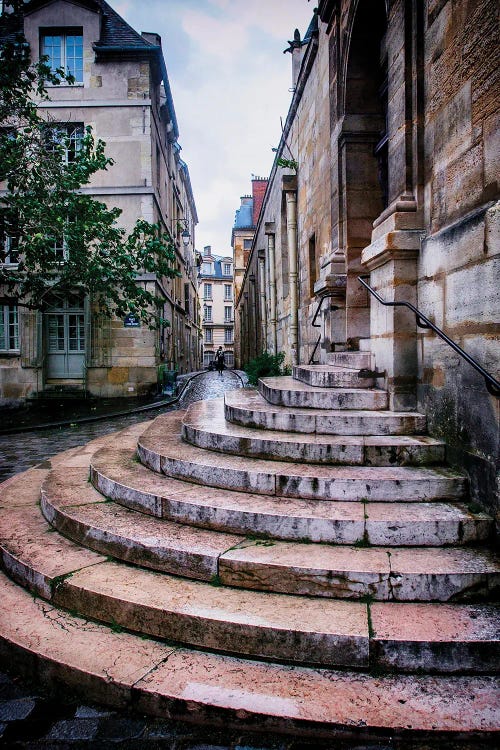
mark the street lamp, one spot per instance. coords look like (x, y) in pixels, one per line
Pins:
(185, 235)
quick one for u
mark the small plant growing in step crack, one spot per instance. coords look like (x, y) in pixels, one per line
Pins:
(215, 580)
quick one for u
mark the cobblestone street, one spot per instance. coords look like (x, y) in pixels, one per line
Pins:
(19, 452)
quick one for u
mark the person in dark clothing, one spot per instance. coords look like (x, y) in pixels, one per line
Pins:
(219, 360)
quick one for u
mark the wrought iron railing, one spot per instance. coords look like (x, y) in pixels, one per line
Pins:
(492, 385)
(318, 325)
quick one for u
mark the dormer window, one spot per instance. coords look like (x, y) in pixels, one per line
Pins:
(64, 49)
(206, 268)
(227, 269)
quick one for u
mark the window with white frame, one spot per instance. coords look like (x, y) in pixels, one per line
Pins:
(9, 250)
(66, 139)
(9, 327)
(229, 359)
(227, 269)
(206, 268)
(228, 314)
(207, 313)
(207, 291)
(228, 291)
(64, 49)
(209, 336)
(228, 335)
(60, 249)
(207, 358)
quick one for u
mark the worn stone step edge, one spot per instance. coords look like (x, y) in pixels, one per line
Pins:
(268, 625)
(249, 408)
(351, 360)
(161, 449)
(285, 391)
(117, 475)
(330, 376)
(208, 556)
(121, 669)
(205, 426)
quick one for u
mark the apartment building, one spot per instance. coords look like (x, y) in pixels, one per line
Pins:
(216, 292)
(122, 90)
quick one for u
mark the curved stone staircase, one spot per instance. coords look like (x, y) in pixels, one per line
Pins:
(296, 559)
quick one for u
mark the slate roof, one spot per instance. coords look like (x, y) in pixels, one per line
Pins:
(116, 32)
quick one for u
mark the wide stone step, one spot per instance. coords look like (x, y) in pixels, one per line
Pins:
(205, 426)
(119, 669)
(161, 448)
(117, 475)
(286, 391)
(246, 622)
(249, 408)
(330, 376)
(81, 513)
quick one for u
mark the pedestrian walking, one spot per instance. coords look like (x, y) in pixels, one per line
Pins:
(219, 360)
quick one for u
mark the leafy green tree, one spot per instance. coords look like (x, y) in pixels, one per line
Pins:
(63, 237)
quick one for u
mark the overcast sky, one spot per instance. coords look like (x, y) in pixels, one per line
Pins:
(230, 82)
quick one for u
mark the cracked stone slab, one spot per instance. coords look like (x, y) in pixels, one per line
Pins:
(161, 448)
(205, 426)
(450, 638)
(81, 513)
(286, 391)
(214, 617)
(31, 552)
(247, 407)
(43, 641)
(297, 698)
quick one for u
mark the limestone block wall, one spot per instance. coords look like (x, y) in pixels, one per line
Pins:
(459, 261)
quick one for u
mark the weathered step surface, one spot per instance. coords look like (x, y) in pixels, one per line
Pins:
(205, 426)
(161, 448)
(78, 511)
(286, 391)
(119, 668)
(249, 408)
(352, 360)
(249, 622)
(117, 475)
(331, 376)
(81, 513)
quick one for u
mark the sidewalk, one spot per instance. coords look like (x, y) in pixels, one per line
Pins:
(62, 412)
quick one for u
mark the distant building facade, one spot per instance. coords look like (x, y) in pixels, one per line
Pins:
(388, 169)
(245, 224)
(122, 90)
(216, 290)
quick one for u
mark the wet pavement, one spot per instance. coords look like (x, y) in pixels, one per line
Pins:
(32, 719)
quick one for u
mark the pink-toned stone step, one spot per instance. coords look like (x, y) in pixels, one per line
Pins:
(205, 426)
(81, 513)
(286, 391)
(330, 376)
(118, 668)
(117, 475)
(249, 408)
(78, 511)
(161, 448)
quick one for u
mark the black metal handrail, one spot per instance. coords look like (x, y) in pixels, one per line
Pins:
(492, 385)
(318, 325)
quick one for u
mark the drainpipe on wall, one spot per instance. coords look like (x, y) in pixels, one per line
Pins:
(262, 297)
(271, 254)
(290, 188)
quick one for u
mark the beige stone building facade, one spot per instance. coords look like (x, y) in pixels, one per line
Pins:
(216, 294)
(122, 90)
(388, 169)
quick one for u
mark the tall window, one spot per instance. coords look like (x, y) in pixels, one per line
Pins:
(64, 48)
(227, 269)
(207, 313)
(9, 250)
(228, 314)
(228, 291)
(228, 335)
(207, 291)
(65, 138)
(206, 268)
(209, 336)
(9, 328)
